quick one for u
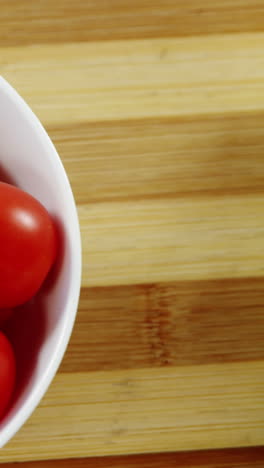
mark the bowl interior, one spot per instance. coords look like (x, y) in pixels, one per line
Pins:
(40, 330)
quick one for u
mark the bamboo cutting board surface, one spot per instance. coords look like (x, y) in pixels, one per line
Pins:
(157, 111)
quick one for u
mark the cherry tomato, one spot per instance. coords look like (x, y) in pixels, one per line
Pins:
(27, 245)
(7, 373)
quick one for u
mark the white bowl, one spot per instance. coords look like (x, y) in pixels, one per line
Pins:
(29, 159)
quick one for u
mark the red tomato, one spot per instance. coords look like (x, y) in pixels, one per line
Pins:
(7, 373)
(27, 245)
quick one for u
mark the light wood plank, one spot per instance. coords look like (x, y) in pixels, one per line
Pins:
(161, 135)
(67, 21)
(117, 80)
(135, 411)
(148, 158)
(236, 458)
(167, 324)
(172, 240)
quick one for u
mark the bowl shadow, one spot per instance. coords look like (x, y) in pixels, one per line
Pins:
(26, 330)
(5, 176)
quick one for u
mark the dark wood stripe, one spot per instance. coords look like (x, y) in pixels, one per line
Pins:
(167, 325)
(235, 458)
(67, 21)
(109, 161)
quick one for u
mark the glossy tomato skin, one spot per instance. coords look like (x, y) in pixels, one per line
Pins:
(7, 373)
(27, 245)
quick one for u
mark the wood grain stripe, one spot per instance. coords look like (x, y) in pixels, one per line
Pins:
(157, 109)
(152, 410)
(167, 324)
(113, 161)
(133, 79)
(91, 20)
(236, 458)
(183, 239)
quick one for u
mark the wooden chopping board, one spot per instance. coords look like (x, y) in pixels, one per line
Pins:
(157, 111)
